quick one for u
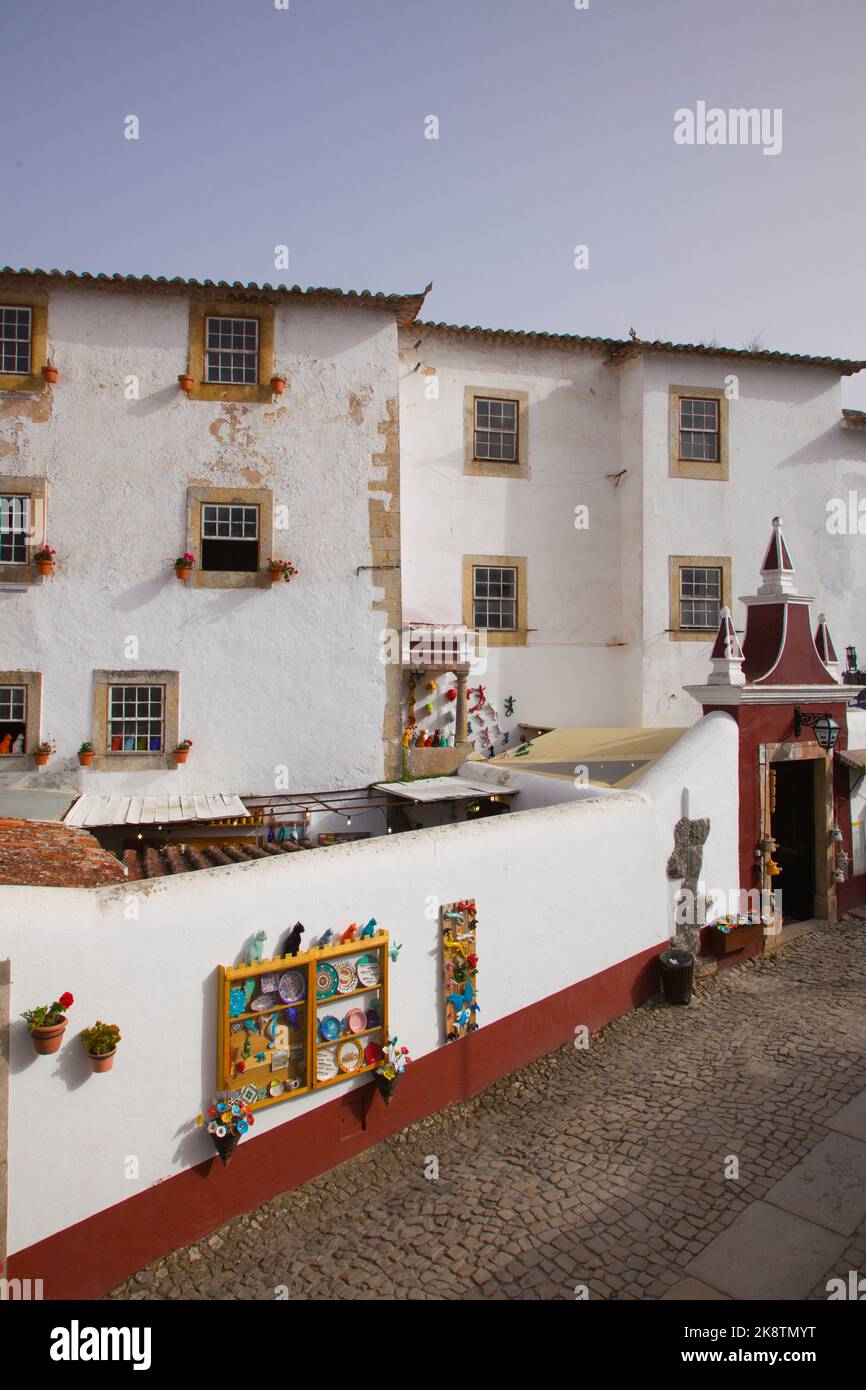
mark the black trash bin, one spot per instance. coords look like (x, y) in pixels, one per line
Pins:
(678, 973)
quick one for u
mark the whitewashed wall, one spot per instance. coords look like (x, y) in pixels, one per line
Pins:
(563, 892)
(567, 674)
(288, 676)
(857, 739)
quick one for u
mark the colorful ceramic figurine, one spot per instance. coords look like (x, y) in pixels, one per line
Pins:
(324, 938)
(349, 933)
(368, 929)
(253, 954)
(394, 950)
(292, 944)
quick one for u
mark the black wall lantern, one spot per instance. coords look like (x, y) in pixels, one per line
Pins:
(826, 728)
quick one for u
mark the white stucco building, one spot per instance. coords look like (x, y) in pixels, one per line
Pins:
(285, 445)
(618, 548)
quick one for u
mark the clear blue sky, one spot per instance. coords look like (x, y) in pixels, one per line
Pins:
(306, 126)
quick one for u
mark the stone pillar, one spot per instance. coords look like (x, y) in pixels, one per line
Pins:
(461, 727)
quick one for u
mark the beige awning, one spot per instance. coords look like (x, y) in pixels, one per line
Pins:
(612, 757)
(444, 789)
(854, 757)
(91, 811)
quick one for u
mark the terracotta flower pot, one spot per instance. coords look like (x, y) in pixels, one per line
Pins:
(278, 385)
(183, 571)
(41, 759)
(50, 374)
(225, 1146)
(103, 1061)
(181, 754)
(48, 1037)
(86, 759)
(185, 382)
(45, 567)
(274, 576)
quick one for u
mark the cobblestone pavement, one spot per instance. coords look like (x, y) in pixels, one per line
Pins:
(603, 1167)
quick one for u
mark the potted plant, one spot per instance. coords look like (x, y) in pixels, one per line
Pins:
(392, 1066)
(85, 755)
(47, 1024)
(278, 385)
(280, 569)
(183, 565)
(181, 751)
(42, 752)
(49, 373)
(228, 1121)
(185, 382)
(100, 1044)
(44, 560)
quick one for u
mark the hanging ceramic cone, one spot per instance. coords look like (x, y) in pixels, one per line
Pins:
(386, 1087)
(225, 1146)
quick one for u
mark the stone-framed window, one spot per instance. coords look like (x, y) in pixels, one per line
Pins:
(494, 598)
(23, 341)
(699, 428)
(231, 350)
(20, 711)
(495, 432)
(700, 586)
(230, 531)
(135, 720)
(22, 527)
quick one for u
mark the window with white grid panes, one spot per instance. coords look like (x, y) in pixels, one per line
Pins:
(494, 598)
(136, 718)
(13, 717)
(495, 430)
(232, 351)
(699, 430)
(16, 338)
(700, 597)
(229, 536)
(14, 528)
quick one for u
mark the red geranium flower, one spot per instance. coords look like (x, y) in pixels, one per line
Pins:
(65, 1000)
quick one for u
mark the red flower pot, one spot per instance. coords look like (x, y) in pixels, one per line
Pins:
(50, 374)
(45, 568)
(41, 759)
(181, 754)
(48, 1037)
(278, 385)
(183, 571)
(86, 759)
(185, 382)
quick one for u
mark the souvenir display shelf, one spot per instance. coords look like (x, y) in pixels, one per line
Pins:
(458, 927)
(362, 997)
(299, 1041)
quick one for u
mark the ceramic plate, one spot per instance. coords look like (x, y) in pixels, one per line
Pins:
(292, 986)
(330, 1028)
(326, 1066)
(326, 980)
(263, 1001)
(276, 1088)
(356, 1020)
(349, 1056)
(345, 978)
(267, 983)
(368, 970)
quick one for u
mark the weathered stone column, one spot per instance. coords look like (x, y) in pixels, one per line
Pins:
(461, 727)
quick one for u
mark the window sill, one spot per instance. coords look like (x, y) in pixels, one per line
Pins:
(496, 637)
(261, 393)
(133, 762)
(16, 759)
(228, 579)
(693, 634)
(494, 468)
(702, 470)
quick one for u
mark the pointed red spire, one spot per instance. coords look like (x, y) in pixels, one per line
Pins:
(824, 643)
(777, 571)
(727, 654)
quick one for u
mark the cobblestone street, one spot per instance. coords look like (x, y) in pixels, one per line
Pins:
(603, 1168)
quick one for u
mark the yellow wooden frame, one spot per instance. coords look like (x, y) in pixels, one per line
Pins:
(38, 306)
(199, 312)
(308, 961)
